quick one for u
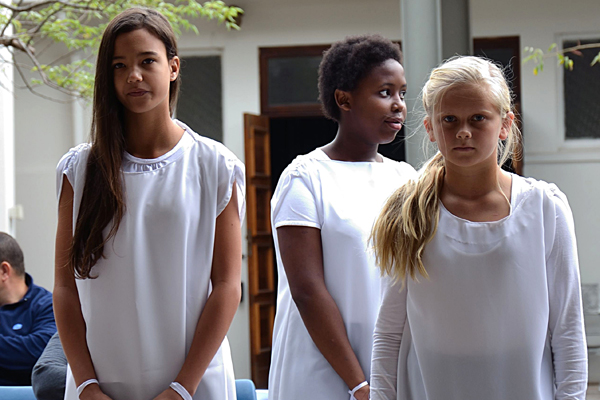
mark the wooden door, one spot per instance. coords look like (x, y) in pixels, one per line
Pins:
(261, 280)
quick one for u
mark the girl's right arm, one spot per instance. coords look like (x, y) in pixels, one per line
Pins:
(386, 341)
(67, 309)
(302, 257)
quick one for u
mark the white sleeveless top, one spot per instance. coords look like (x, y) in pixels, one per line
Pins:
(500, 316)
(142, 310)
(342, 199)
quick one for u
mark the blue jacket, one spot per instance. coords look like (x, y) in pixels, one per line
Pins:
(25, 328)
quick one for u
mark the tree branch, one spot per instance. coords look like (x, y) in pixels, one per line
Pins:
(39, 26)
(5, 27)
(43, 75)
(77, 25)
(45, 3)
(32, 89)
(572, 49)
(16, 43)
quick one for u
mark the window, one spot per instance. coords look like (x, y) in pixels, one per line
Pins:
(288, 79)
(200, 96)
(581, 87)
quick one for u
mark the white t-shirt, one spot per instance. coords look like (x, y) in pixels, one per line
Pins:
(342, 199)
(500, 316)
(142, 310)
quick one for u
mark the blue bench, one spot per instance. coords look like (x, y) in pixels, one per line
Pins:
(16, 393)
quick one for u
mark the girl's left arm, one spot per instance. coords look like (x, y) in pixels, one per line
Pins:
(386, 340)
(567, 333)
(221, 304)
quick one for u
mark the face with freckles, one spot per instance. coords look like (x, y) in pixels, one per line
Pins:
(467, 126)
(142, 72)
(375, 108)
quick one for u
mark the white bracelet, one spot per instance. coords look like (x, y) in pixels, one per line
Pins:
(84, 385)
(356, 389)
(178, 387)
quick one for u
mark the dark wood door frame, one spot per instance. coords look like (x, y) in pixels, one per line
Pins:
(261, 281)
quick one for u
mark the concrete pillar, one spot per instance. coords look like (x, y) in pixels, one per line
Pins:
(7, 142)
(456, 32)
(432, 30)
(422, 48)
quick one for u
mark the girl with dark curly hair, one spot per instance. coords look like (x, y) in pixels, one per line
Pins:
(322, 212)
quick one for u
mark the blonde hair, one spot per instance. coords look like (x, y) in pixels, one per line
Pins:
(409, 219)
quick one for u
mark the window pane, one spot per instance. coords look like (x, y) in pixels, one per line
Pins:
(293, 80)
(582, 85)
(200, 104)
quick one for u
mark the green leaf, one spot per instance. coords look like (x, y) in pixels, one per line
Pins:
(596, 59)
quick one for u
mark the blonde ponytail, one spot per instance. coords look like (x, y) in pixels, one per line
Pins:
(408, 222)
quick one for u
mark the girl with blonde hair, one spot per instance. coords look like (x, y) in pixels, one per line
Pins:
(482, 296)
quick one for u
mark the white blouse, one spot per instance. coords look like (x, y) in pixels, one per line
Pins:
(341, 199)
(142, 309)
(500, 316)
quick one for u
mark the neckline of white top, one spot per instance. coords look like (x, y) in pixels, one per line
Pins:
(325, 157)
(133, 164)
(515, 195)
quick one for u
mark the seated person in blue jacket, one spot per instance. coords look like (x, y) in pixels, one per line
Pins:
(26, 316)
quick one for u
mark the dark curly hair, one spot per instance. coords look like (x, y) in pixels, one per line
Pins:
(347, 62)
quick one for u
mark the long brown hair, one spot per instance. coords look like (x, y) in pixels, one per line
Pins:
(410, 217)
(102, 203)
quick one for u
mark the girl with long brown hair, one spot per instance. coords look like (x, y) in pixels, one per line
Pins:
(148, 245)
(482, 297)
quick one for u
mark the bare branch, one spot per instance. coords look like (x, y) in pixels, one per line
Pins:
(571, 49)
(45, 3)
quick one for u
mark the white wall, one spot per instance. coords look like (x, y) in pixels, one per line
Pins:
(7, 148)
(574, 166)
(43, 132)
